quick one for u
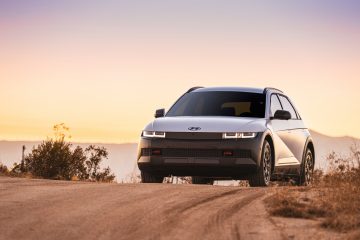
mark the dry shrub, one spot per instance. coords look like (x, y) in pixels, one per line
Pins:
(14, 171)
(342, 187)
(56, 158)
(296, 203)
(334, 196)
(3, 169)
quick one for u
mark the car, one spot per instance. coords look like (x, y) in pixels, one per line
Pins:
(220, 133)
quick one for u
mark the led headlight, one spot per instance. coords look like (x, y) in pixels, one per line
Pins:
(153, 134)
(232, 135)
(248, 135)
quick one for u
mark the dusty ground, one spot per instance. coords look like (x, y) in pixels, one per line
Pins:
(43, 209)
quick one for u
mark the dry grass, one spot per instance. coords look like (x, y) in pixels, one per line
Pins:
(5, 171)
(296, 203)
(334, 198)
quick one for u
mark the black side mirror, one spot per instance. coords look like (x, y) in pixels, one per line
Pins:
(160, 113)
(282, 115)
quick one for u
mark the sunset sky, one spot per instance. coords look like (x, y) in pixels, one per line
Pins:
(103, 67)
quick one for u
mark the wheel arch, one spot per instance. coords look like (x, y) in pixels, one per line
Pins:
(268, 138)
(310, 145)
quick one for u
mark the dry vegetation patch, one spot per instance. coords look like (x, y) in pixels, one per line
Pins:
(334, 198)
(296, 203)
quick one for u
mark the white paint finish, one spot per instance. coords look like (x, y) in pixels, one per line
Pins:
(207, 124)
(288, 161)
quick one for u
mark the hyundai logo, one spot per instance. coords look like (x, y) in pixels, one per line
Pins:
(194, 128)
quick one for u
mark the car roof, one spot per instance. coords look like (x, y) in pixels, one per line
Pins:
(233, 89)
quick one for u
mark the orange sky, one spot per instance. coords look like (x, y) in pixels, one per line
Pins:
(103, 69)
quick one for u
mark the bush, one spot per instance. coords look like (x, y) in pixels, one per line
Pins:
(55, 159)
(3, 169)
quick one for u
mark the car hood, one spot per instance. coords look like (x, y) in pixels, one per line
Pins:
(207, 124)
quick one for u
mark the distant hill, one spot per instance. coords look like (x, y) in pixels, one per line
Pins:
(325, 144)
(122, 157)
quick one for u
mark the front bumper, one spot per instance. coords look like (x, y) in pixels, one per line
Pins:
(200, 157)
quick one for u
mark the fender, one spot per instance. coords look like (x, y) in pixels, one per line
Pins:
(308, 141)
(265, 134)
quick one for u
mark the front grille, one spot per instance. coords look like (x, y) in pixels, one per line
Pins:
(178, 152)
(189, 152)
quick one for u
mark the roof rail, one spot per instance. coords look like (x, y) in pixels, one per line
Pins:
(271, 88)
(192, 89)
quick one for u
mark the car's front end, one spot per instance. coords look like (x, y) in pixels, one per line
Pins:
(208, 154)
(215, 133)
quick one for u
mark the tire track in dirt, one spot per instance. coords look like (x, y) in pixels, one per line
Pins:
(182, 207)
(221, 216)
(210, 218)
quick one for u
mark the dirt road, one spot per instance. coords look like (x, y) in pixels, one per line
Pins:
(43, 209)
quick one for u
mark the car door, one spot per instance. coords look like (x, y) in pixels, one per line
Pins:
(283, 154)
(297, 136)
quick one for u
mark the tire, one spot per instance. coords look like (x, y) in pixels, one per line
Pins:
(307, 168)
(147, 177)
(200, 180)
(262, 176)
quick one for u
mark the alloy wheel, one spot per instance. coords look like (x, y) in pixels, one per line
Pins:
(308, 168)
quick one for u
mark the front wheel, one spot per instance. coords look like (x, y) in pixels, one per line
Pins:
(262, 176)
(147, 177)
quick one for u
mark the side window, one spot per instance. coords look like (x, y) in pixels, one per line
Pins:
(275, 104)
(288, 107)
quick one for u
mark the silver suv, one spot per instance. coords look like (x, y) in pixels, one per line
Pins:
(228, 133)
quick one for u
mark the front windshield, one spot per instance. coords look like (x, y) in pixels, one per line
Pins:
(234, 104)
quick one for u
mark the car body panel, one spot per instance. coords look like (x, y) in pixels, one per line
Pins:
(207, 124)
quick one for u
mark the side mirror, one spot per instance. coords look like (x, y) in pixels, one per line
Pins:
(282, 115)
(160, 113)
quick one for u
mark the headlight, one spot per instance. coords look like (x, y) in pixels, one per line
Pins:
(233, 135)
(153, 134)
